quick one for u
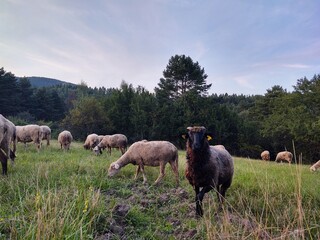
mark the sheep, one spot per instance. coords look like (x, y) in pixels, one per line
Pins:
(7, 136)
(284, 156)
(315, 166)
(29, 133)
(207, 167)
(148, 153)
(265, 155)
(100, 137)
(112, 141)
(91, 141)
(218, 146)
(45, 134)
(65, 138)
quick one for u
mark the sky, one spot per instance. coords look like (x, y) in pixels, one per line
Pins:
(245, 47)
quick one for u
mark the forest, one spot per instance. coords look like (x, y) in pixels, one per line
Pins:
(246, 125)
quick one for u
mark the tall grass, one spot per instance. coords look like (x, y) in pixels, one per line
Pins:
(67, 195)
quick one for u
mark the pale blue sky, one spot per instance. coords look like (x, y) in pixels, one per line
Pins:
(245, 47)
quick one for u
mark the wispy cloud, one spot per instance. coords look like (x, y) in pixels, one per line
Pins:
(244, 81)
(299, 66)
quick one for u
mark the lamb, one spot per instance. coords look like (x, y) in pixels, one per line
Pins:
(265, 155)
(29, 133)
(112, 141)
(315, 166)
(148, 153)
(207, 167)
(91, 141)
(45, 134)
(65, 138)
(7, 136)
(284, 156)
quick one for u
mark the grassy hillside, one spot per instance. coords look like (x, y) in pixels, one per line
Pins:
(67, 195)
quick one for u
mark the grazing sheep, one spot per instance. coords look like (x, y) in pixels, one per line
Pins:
(91, 141)
(29, 133)
(100, 137)
(104, 143)
(145, 153)
(7, 136)
(65, 138)
(284, 156)
(265, 155)
(45, 134)
(315, 166)
(112, 141)
(207, 167)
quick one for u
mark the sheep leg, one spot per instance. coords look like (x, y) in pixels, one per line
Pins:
(199, 198)
(162, 173)
(199, 211)
(141, 168)
(3, 159)
(175, 170)
(137, 172)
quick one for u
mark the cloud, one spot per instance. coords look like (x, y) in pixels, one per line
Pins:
(298, 66)
(244, 81)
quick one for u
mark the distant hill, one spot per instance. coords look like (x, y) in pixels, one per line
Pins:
(46, 82)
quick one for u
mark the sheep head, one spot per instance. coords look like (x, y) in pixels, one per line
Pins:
(197, 137)
(113, 169)
(97, 150)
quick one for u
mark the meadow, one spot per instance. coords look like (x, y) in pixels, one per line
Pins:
(54, 194)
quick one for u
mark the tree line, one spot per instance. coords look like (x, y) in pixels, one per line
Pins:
(246, 125)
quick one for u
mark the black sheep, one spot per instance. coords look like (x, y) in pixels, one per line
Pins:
(208, 167)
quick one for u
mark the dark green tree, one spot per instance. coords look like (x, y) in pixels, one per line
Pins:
(8, 93)
(182, 75)
(25, 95)
(87, 117)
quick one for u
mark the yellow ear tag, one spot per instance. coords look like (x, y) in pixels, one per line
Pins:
(209, 138)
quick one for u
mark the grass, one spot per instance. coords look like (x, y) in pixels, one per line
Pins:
(67, 195)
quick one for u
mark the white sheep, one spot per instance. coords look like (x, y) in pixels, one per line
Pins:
(45, 134)
(284, 156)
(29, 133)
(91, 141)
(7, 136)
(315, 166)
(265, 155)
(148, 153)
(65, 138)
(112, 141)
(100, 137)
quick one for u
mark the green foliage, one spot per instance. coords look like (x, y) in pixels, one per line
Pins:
(87, 117)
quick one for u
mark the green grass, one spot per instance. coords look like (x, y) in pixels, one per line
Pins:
(67, 195)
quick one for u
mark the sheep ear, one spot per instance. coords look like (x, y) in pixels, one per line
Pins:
(184, 136)
(116, 166)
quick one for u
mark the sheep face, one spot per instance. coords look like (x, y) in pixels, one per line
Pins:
(312, 169)
(113, 169)
(97, 150)
(197, 136)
